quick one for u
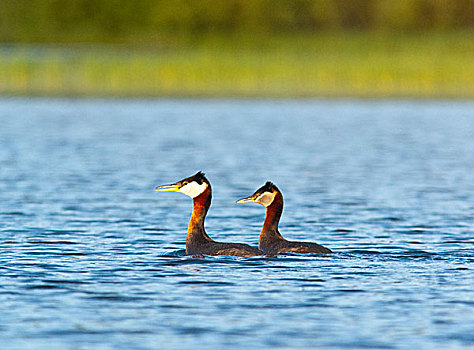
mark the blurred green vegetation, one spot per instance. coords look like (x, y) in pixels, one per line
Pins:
(268, 48)
(166, 22)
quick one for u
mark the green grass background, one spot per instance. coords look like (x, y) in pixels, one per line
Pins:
(355, 64)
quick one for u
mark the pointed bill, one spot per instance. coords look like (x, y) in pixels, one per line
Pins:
(246, 200)
(168, 188)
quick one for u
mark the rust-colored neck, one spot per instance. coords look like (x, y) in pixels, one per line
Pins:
(272, 218)
(196, 232)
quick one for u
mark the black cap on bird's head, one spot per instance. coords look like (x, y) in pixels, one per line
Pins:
(199, 178)
(268, 187)
(191, 186)
(264, 195)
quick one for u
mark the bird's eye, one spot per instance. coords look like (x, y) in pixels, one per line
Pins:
(184, 183)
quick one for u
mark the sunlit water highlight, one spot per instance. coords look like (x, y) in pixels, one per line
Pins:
(92, 257)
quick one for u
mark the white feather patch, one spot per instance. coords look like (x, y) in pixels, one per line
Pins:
(265, 198)
(193, 189)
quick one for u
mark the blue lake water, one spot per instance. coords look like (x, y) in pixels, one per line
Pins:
(92, 257)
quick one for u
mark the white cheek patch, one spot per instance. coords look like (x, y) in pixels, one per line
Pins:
(193, 189)
(266, 198)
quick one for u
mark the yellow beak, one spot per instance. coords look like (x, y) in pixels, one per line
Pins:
(246, 200)
(168, 188)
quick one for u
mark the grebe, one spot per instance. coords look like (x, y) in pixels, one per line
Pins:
(271, 242)
(197, 241)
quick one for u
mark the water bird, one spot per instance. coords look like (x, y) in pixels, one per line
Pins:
(271, 242)
(198, 242)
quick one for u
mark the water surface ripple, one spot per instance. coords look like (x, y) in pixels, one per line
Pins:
(93, 258)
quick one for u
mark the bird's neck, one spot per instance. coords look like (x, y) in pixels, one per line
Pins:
(272, 218)
(196, 232)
